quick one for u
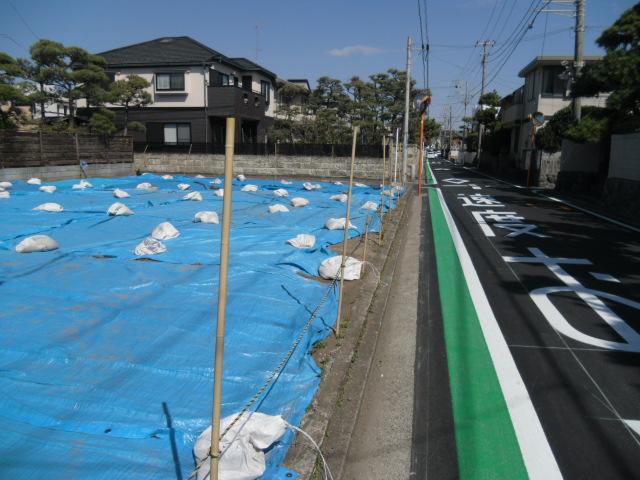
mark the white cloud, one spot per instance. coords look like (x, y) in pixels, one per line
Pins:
(355, 50)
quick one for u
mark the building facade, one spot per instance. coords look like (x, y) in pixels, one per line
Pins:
(194, 89)
(545, 90)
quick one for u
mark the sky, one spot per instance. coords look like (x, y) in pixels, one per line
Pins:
(310, 39)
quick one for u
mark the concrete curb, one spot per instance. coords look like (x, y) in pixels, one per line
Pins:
(331, 414)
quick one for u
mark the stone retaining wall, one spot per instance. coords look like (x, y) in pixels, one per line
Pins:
(64, 172)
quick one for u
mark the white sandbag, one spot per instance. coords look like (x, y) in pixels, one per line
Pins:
(37, 243)
(338, 224)
(311, 186)
(250, 188)
(359, 185)
(370, 205)
(241, 177)
(144, 186)
(337, 183)
(118, 208)
(199, 176)
(243, 446)
(50, 207)
(120, 193)
(388, 193)
(150, 246)
(6, 185)
(217, 181)
(330, 268)
(281, 192)
(34, 181)
(302, 240)
(278, 207)
(286, 182)
(341, 197)
(167, 177)
(5, 195)
(184, 186)
(206, 217)
(219, 193)
(48, 188)
(195, 196)
(165, 231)
(299, 202)
(82, 185)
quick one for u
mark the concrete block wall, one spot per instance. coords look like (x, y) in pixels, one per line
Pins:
(266, 166)
(625, 157)
(64, 172)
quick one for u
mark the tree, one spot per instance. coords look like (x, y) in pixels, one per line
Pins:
(102, 122)
(72, 72)
(9, 92)
(593, 128)
(45, 54)
(130, 93)
(618, 72)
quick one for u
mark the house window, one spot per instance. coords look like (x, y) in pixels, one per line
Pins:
(177, 133)
(224, 79)
(170, 81)
(552, 84)
(265, 89)
(531, 86)
(247, 82)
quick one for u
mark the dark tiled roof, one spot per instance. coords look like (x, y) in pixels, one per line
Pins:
(162, 51)
(250, 66)
(174, 51)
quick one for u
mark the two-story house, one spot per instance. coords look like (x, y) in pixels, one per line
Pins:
(545, 90)
(193, 89)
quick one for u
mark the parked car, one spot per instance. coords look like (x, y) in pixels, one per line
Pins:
(431, 154)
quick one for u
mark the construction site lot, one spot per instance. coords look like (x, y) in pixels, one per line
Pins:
(107, 340)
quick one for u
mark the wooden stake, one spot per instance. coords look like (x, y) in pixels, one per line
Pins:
(356, 131)
(366, 238)
(384, 169)
(222, 298)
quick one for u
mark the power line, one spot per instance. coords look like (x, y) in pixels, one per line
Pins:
(9, 37)
(23, 20)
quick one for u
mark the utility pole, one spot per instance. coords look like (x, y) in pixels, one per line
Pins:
(466, 104)
(450, 131)
(485, 57)
(407, 101)
(579, 53)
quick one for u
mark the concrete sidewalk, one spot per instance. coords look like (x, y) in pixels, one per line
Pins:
(380, 445)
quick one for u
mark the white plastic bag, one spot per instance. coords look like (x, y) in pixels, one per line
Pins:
(311, 186)
(120, 193)
(337, 183)
(34, 181)
(165, 231)
(281, 192)
(278, 207)
(48, 188)
(359, 185)
(184, 186)
(299, 202)
(330, 268)
(219, 192)
(217, 181)
(144, 186)
(206, 217)
(118, 209)
(150, 246)
(49, 207)
(199, 176)
(243, 457)
(5, 195)
(341, 197)
(241, 177)
(370, 205)
(167, 177)
(82, 185)
(195, 196)
(338, 224)
(303, 240)
(250, 188)
(6, 185)
(286, 182)
(37, 243)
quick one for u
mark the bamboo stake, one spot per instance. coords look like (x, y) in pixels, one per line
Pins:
(366, 238)
(356, 130)
(384, 169)
(214, 452)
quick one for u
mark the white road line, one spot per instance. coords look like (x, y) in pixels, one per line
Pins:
(605, 277)
(536, 452)
(585, 210)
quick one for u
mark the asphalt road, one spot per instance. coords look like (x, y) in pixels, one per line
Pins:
(564, 287)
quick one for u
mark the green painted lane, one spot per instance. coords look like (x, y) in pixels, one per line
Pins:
(485, 437)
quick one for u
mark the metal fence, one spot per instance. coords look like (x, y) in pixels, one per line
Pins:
(265, 149)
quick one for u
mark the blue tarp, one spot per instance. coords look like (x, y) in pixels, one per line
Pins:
(106, 361)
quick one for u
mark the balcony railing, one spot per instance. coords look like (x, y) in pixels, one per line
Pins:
(231, 100)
